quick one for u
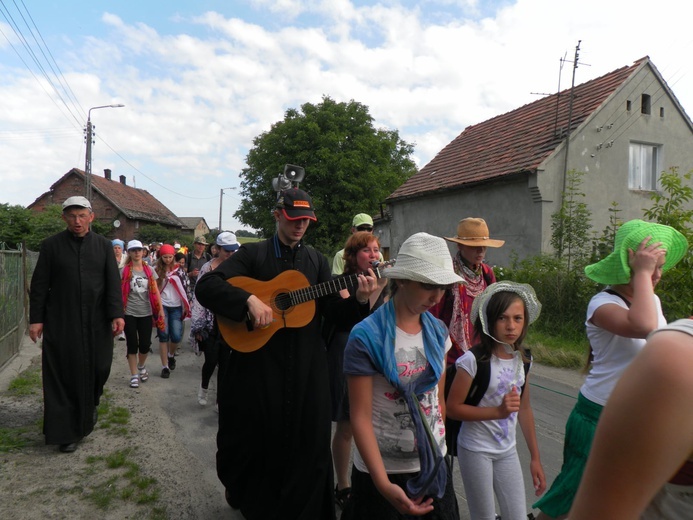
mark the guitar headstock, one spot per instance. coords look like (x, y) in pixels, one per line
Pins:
(378, 266)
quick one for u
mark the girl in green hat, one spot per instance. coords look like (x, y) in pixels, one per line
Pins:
(618, 321)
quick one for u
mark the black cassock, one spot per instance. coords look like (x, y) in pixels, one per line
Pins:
(273, 444)
(75, 293)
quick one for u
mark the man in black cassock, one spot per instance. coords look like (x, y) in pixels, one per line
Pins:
(76, 305)
(273, 443)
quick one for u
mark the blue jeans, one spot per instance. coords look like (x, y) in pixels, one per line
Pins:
(174, 325)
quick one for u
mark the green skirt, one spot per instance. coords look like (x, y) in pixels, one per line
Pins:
(579, 433)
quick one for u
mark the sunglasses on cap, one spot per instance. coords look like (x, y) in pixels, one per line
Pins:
(364, 227)
(434, 287)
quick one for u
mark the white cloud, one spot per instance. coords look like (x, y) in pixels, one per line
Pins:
(198, 93)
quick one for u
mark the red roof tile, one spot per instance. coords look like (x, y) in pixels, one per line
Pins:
(135, 203)
(514, 142)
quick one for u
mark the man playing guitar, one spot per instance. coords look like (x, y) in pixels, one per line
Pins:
(274, 402)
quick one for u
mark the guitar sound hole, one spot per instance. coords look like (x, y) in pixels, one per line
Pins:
(283, 302)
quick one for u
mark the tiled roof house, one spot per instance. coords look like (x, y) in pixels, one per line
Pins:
(195, 225)
(124, 207)
(625, 128)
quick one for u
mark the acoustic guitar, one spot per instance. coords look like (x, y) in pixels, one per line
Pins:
(292, 300)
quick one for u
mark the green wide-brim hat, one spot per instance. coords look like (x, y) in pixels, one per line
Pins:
(615, 269)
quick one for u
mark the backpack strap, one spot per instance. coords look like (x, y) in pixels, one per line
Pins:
(483, 375)
(481, 379)
(611, 291)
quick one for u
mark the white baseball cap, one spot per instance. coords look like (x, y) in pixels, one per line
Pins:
(77, 200)
(135, 244)
(228, 241)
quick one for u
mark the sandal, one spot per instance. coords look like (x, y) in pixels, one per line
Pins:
(341, 496)
(135, 382)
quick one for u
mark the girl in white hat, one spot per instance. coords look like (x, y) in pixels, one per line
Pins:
(490, 396)
(395, 366)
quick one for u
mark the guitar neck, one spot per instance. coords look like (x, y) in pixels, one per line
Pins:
(326, 288)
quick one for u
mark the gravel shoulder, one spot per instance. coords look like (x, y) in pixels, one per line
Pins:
(165, 451)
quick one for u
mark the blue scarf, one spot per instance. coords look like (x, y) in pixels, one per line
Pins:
(377, 335)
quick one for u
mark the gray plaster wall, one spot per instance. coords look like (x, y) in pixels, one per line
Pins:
(600, 148)
(507, 208)
(519, 209)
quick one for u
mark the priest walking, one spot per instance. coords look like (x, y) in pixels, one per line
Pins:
(76, 306)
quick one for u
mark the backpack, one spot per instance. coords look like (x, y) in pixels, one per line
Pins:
(476, 391)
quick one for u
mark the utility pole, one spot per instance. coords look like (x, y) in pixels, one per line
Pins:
(89, 136)
(570, 119)
(221, 202)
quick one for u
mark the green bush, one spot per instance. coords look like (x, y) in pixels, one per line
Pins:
(564, 294)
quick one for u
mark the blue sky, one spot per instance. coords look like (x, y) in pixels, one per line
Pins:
(199, 80)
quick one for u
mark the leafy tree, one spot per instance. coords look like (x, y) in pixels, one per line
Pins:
(669, 207)
(159, 233)
(14, 224)
(604, 245)
(571, 223)
(351, 167)
(44, 224)
(245, 233)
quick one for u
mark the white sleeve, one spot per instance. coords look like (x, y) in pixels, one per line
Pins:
(467, 362)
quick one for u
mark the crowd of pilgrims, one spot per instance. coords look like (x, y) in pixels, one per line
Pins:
(363, 403)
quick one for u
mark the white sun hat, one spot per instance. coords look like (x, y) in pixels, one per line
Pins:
(523, 290)
(426, 259)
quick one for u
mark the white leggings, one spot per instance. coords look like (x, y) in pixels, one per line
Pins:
(486, 473)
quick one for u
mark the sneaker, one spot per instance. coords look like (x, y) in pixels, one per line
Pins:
(165, 372)
(172, 363)
(202, 396)
(144, 375)
(135, 381)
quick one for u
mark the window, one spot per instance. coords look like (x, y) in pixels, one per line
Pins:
(645, 106)
(643, 167)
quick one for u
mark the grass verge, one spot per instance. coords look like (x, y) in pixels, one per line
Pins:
(27, 382)
(557, 351)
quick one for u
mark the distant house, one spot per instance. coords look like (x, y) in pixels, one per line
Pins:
(195, 225)
(125, 208)
(623, 130)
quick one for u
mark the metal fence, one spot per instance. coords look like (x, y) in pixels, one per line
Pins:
(15, 272)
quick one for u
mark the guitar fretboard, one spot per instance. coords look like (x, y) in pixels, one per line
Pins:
(290, 299)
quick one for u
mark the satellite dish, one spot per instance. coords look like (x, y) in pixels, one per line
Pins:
(116, 223)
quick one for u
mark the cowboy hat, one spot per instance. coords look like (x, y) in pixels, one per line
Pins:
(474, 232)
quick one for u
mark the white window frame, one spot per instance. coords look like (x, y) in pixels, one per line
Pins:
(644, 166)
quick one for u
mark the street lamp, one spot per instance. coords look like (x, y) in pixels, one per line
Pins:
(89, 136)
(221, 199)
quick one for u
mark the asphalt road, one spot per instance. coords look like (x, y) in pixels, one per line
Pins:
(553, 393)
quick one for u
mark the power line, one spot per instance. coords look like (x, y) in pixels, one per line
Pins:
(27, 47)
(66, 85)
(149, 178)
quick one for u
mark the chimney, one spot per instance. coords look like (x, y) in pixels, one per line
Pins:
(107, 174)
(122, 180)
